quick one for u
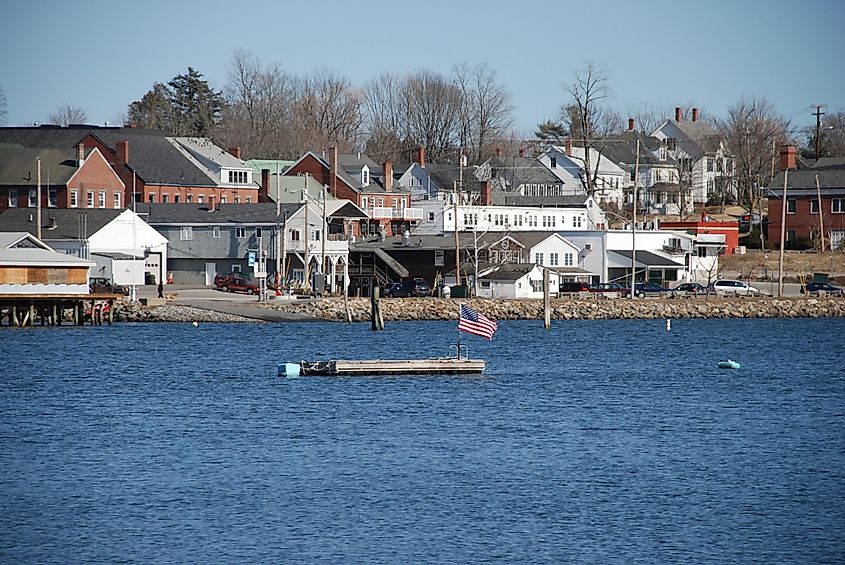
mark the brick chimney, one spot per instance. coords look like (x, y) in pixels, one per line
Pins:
(486, 193)
(264, 189)
(387, 170)
(788, 158)
(521, 152)
(80, 153)
(211, 203)
(630, 124)
(122, 152)
(332, 172)
(695, 114)
(678, 115)
(236, 151)
(567, 146)
(420, 156)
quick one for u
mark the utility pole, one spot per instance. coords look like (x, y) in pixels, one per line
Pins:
(782, 234)
(457, 241)
(38, 200)
(324, 234)
(307, 242)
(634, 224)
(818, 114)
(279, 244)
(821, 213)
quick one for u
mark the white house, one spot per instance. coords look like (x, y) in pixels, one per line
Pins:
(568, 163)
(581, 213)
(515, 280)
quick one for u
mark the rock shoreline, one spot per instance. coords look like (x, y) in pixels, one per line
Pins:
(574, 309)
(413, 309)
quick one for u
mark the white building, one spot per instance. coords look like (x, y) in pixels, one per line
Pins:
(568, 163)
(582, 214)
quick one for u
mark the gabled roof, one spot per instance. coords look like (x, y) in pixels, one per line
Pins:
(802, 182)
(21, 240)
(355, 162)
(69, 223)
(18, 165)
(510, 271)
(624, 150)
(36, 257)
(522, 170)
(644, 259)
(263, 213)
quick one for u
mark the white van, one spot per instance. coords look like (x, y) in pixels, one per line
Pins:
(736, 288)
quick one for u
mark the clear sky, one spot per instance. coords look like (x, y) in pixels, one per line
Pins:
(101, 55)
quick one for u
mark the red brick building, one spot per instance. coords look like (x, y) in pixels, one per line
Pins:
(806, 212)
(707, 226)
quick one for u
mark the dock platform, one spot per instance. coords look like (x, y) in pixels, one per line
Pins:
(434, 366)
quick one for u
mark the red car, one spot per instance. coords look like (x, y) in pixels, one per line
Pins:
(235, 282)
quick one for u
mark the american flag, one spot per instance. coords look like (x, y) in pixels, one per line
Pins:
(474, 323)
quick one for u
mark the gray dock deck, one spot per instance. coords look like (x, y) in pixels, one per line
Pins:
(435, 366)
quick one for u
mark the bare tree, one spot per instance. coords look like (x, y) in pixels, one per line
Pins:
(328, 112)
(384, 118)
(485, 109)
(433, 107)
(831, 137)
(67, 114)
(3, 111)
(752, 132)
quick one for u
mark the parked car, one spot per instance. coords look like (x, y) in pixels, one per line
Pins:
(235, 282)
(574, 287)
(390, 289)
(731, 287)
(412, 287)
(101, 285)
(610, 288)
(824, 287)
(689, 289)
(643, 288)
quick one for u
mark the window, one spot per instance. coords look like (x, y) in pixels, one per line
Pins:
(116, 200)
(790, 235)
(814, 206)
(671, 143)
(101, 201)
(381, 201)
(13, 197)
(257, 232)
(236, 268)
(33, 197)
(790, 205)
(837, 206)
(165, 197)
(536, 285)
(365, 177)
(658, 176)
(315, 235)
(74, 199)
(576, 221)
(215, 232)
(438, 257)
(238, 177)
(711, 186)
(240, 233)
(151, 198)
(237, 199)
(52, 197)
(186, 233)
(718, 165)
(294, 235)
(431, 216)
(200, 198)
(89, 197)
(662, 154)
(223, 200)
(702, 252)
(708, 162)
(189, 199)
(554, 162)
(538, 258)
(553, 259)
(176, 198)
(568, 259)
(249, 199)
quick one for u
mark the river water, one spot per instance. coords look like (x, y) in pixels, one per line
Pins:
(595, 441)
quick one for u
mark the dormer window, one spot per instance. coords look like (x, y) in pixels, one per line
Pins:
(237, 177)
(662, 153)
(554, 162)
(365, 176)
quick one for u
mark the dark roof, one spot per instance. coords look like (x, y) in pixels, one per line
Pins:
(355, 162)
(417, 242)
(831, 175)
(513, 199)
(648, 258)
(624, 151)
(522, 170)
(18, 165)
(510, 271)
(67, 221)
(265, 213)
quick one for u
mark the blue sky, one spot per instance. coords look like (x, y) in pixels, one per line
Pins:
(103, 55)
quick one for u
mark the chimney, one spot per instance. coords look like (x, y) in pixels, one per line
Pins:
(388, 175)
(123, 152)
(332, 172)
(264, 190)
(521, 152)
(630, 124)
(498, 152)
(678, 114)
(486, 194)
(235, 151)
(568, 147)
(211, 203)
(787, 157)
(695, 114)
(420, 157)
(80, 153)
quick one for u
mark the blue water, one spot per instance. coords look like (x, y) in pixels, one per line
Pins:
(606, 441)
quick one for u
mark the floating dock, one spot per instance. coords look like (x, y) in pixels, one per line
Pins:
(340, 367)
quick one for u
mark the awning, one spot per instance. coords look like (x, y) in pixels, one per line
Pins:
(621, 259)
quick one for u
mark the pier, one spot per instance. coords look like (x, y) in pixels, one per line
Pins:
(21, 310)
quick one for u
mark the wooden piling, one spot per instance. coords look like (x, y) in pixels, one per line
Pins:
(377, 321)
(547, 310)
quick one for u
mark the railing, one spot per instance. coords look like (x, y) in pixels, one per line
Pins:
(674, 250)
(385, 213)
(411, 213)
(380, 212)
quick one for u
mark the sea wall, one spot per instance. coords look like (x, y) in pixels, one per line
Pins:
(573, 309)
(129, 312)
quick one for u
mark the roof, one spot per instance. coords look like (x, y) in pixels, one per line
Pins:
(264, 213)
(67, 221)
(510, 271)
(522, 170)
(624, 151)
(355, 162)
(40, 257)
(18, 165)
(20, 240)
(510, 199)
(831, 174)
(271, 165)
(644, 259)
(418, 242)
(696, 130)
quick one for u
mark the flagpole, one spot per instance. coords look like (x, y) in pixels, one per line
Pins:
(459, 331)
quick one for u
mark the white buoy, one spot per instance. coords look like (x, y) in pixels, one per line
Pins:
(668, 325)
(195, 324)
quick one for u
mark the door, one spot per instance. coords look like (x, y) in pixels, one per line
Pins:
(210, 273)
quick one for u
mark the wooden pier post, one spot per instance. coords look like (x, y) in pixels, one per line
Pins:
(15, 319)
(57, 314)
(111, 311)
(377, 321)
(547, 310)
(31, 315)
(75, 313)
